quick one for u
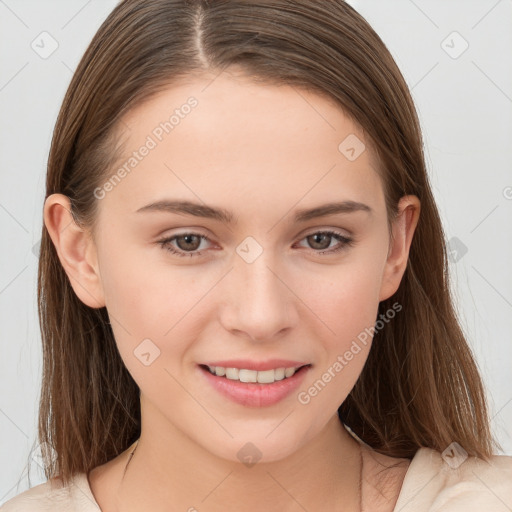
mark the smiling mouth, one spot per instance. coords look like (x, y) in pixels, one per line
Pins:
(245, 375)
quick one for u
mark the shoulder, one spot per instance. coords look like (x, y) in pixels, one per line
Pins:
(456, 483)
(53, 496)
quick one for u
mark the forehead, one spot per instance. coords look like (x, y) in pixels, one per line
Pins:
(225, 136)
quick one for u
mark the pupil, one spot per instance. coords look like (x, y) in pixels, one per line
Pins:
(188, 241)
(320, 236)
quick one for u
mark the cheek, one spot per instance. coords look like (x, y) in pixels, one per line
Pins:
(344, 298)
(346, 302)
(150, 308)
(144, 293)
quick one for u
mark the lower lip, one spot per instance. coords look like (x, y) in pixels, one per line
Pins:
(253, 394)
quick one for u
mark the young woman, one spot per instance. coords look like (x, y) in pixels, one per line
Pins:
(243, 287)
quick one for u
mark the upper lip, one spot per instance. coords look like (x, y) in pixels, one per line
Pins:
(269, 364)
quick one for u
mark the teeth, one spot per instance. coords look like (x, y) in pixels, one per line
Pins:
(266, 377)
(231, 373)
(288, 372)
(243, 375)
(279, 373)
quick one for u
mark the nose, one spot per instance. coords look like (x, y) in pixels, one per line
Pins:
(258, 302)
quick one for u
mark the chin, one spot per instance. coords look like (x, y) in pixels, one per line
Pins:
(260, 445)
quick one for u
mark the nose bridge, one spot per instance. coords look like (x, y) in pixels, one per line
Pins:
(259, 302)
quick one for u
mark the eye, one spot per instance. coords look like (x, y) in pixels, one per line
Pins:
(189, 243)
(323, 239)
(186, 242)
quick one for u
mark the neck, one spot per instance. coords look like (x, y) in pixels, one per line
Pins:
(168, 467)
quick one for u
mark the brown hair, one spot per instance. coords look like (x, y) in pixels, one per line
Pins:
(420, 385)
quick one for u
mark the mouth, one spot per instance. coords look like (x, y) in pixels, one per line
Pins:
(255, 376)
(254, 388)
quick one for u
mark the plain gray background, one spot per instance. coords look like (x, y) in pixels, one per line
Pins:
(456, 58)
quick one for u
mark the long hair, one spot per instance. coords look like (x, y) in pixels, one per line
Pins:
(420, 386)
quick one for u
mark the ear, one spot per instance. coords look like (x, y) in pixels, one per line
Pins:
(76, 250)
(403, 229)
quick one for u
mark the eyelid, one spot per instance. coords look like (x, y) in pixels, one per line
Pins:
(316, 229)
(307, 232)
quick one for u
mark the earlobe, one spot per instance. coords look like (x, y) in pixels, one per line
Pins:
(403, 230)
(76, 250)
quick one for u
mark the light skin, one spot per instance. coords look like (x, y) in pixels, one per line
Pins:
(262, 152)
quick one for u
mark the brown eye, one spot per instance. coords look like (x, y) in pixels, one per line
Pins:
(190, 242)
(186, 244)
(321, 240)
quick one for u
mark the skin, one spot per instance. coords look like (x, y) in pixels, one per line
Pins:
(262, 152)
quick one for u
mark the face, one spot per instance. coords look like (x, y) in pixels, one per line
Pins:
(242, 276)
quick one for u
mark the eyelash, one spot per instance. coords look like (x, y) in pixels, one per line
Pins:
(344, 242)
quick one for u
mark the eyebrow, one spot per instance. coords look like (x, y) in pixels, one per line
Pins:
(220, 214)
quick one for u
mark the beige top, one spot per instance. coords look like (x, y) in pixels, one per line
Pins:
(430, 484)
